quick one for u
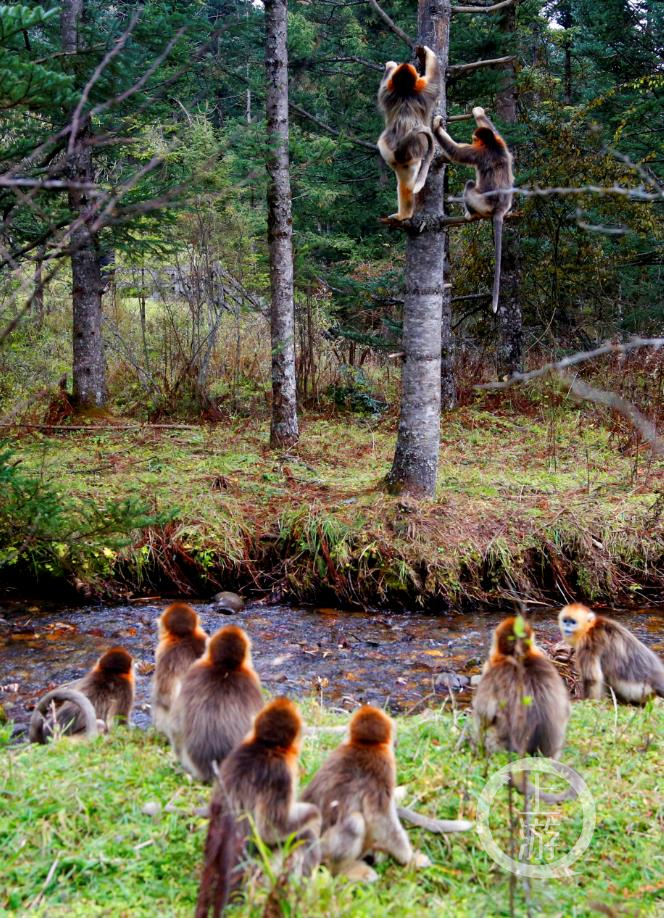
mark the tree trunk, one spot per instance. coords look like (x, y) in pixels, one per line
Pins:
(284, 429)
(509, 349)
(87, 284)
(415, 465)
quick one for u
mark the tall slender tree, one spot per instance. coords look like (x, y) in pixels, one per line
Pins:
(509, 348)
(284, 427)
(87, 283)
(415, 466)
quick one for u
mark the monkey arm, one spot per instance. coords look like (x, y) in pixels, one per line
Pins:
(483, 120)
(389, 835)
(429, 66)
(463, 153)
(592, 677)
(276, 821)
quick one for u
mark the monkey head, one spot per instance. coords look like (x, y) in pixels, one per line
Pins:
(278, 725)
(513, 640)
(405, 81)
(371, 727)
(229, 649)
(116, 661)
(485, 137)
(179, 620)
(574, 621)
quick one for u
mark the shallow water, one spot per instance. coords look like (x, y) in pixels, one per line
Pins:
(343, 658)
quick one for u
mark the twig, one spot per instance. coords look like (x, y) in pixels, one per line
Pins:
(391, 24)
(93, 428)
(49, 876)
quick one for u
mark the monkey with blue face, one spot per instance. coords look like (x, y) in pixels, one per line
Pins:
(607, 655)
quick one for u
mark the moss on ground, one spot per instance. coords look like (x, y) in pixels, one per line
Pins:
(75, 840)
(523, 507)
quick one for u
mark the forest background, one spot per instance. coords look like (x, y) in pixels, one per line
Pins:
(162, 478)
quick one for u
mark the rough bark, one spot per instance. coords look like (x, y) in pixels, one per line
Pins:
(89, 388)
(509, 348)
(284, 428)
(415, 465)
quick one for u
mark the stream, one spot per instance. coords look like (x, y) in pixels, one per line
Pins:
(400, 661)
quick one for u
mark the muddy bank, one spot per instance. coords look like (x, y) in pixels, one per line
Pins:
(403, 662)
(518, 512)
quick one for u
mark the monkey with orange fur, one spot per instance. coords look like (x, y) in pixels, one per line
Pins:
(257, 782)
(182, 641)
(407, 145)
(355, 792)
(518, 670)
(214, 710)
(490, 195)
(109, 686)
(608, 655)
(522, 705)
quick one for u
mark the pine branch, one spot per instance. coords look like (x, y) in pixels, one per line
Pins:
(332, 131)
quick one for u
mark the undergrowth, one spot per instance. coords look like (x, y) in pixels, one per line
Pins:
(77, 839)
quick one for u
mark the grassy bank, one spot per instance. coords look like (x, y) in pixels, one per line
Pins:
(539, 504)
(75, 840)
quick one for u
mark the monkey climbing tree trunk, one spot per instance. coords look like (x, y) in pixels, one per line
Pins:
(284, 429)
(87, 285)
(509, 349)
(415, 466)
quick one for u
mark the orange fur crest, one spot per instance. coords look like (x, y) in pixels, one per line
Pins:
(507, 642)
(116, 660)
(404, 80)
(179, 620)
(278, 725)
(229, 647)
(370, 726)
(421, 84)
(485, 137)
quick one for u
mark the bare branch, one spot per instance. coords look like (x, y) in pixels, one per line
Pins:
(466, 117)
(617, 403)
(391, 24)
(611, 347)
(421, 223)
(459, 69)
(483, 9)
(330, 130)
(637, 193)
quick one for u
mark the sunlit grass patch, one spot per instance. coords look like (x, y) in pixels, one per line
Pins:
(75, 838)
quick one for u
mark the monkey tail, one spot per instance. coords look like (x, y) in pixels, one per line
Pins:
(523, 785)
(39, 731)
(438, 826)
(498, 245)
(222, 847)
(423, 173)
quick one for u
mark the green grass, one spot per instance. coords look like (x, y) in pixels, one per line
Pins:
(522, 506)
(74, 839)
